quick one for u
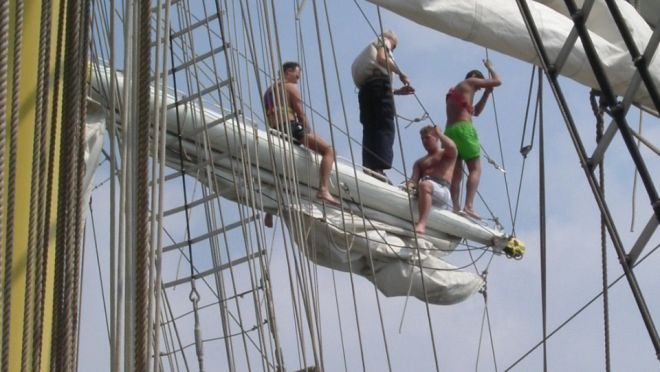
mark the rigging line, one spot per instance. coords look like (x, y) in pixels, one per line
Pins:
(193, 295)
(204, 280)
(481, 336)
(347, 132)
(325, 84)
(52, 147)
(485, 314)
(158, 223)
(247, 176)
(211, 304)
(366, 18)
(260, 237)
(490, 336)
(485, 321)
(183, 348)
(98, 266)
(341, 328)
(307, 91)
(499, 141)
(252, 193)
(579, 311)
(598, 113)
(426, 302)
(543, 234)
(414, 120)
(14, 118)
(142, 136)
(342, 103)
(303, 284)
(126, 313)
(34, 278)
(168, 309)
(64, 306)
(633, 202)
(79, 228)
(579, 147)
(527, 149)
(298, 327)
(643, 140)
(168, 343)
(264, 265)
(45, 182)
(301, 347)
(524, 150)
(4, 51)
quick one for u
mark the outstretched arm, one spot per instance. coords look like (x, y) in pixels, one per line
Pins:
(448, 146)
(384, 58)
(487, 84)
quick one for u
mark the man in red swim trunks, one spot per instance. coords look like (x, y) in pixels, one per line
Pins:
(459, 128)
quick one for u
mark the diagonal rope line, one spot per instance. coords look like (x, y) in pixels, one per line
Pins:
(578, 312)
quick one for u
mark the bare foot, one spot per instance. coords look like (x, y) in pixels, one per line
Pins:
(327, 197)
(471, 213)
(420, 228)
(268, 220)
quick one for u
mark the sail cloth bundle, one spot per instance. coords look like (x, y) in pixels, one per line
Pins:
(344, 241)
(498, 25)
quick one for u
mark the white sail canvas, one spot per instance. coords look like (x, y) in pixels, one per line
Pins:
(499, 25)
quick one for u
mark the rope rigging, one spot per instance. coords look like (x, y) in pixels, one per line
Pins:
(598, 109)
(306, 277)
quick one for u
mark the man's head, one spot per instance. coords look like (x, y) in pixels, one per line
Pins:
(474, 73)
(291, 72)
(391, 36)
(430, 137)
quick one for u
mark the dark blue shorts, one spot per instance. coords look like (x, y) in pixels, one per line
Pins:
(297, 130)
(377, 118)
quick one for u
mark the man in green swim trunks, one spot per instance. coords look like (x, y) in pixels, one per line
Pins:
(459, 128)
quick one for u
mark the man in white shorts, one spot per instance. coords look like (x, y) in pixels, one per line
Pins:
(432, 173)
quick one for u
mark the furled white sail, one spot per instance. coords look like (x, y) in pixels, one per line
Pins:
(499, 25)
(386, 255)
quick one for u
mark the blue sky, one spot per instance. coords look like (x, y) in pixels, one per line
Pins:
(434, 63)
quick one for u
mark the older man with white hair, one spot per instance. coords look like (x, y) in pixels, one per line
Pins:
(372, 73)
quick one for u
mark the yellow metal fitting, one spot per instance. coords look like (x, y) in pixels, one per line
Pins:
(514, 248)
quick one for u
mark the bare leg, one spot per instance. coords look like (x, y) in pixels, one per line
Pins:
(424, 192)
(327, 158)
(474, 174)
(457, 178)
(268, 220)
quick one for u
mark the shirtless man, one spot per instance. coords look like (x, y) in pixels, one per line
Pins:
(285, 112)
(460, 130)
(432, 173)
